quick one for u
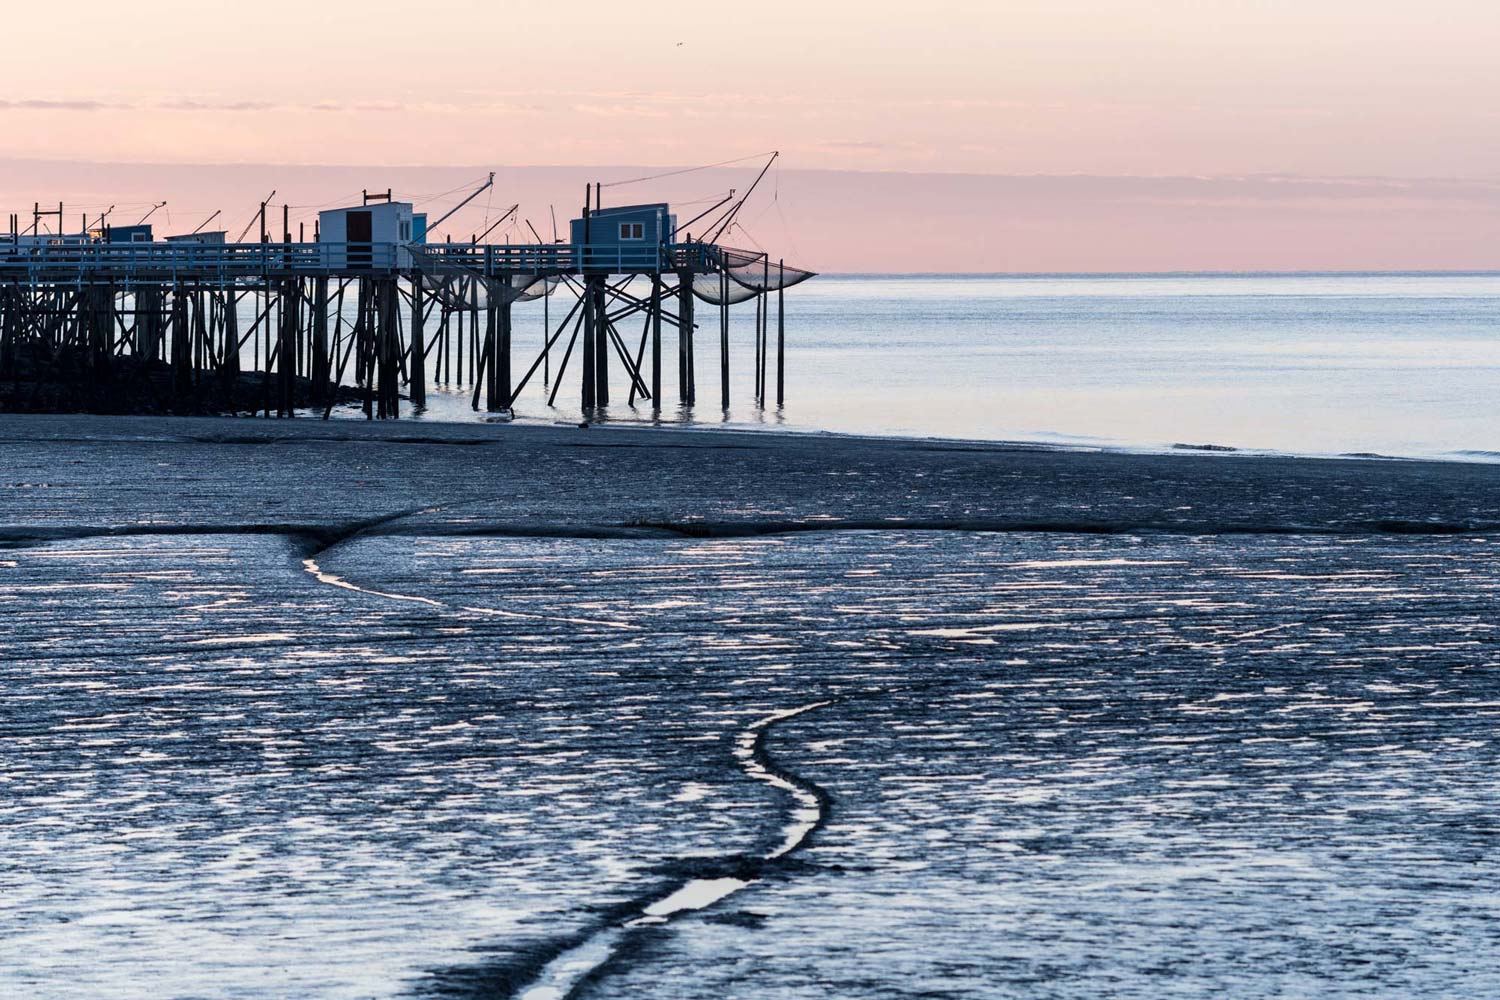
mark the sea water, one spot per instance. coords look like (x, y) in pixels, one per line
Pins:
(1398, 364)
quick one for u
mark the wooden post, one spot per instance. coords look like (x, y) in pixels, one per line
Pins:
(503, 397)
(286, 346)
(394, 353)
(656, 342)
(320, 359)
(474, 345)
(685, 338)
(590, 372)
(7, 330)
(760, 399)
(231, 361)
(363, 375)
(182, 376)
(601, 349)
(724, 338)
(418, 373)
(762, 334)
(460, 295)
(781, 334)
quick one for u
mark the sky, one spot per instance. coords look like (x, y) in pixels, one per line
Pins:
(1066, 135)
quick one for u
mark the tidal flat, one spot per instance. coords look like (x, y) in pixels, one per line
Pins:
(425, 710)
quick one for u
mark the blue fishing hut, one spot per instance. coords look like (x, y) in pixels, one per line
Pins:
(127, 234)
(629, 235)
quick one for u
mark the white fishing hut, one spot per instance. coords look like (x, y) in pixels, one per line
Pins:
(371, 235)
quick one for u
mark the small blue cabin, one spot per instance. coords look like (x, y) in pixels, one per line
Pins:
(629, 226)
(127, 234)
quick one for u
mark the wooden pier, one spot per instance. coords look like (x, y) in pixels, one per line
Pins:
(300, 320)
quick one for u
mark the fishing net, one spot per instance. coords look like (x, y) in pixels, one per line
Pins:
(439, 268)
(749, 273)
(529, 287)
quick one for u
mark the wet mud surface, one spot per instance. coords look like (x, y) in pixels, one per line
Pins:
(571, 712)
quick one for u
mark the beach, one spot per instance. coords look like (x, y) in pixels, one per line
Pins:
(346, 709)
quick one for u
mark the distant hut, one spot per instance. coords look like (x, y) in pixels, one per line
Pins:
(211, 238)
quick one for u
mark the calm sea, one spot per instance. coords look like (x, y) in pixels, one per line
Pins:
(1400, 364)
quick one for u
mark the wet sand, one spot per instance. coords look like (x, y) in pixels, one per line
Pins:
(361, 710)
(76, 474)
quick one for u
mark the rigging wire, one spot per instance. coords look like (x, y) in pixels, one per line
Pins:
(489, 199)
(421, 200)
(687, 170)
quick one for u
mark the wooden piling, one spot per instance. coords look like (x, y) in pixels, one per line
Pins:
(590, 371)
(417, 379)
(685, 338)
(503, 395)
(601, 349)
(724, 338)
(780, 334)
(656, 343)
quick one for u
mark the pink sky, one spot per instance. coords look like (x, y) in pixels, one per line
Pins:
(1064, 135)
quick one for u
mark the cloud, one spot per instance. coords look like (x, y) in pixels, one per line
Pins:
(189, 104)
(205, 105)
(34, 104)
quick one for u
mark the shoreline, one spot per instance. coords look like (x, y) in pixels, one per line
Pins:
(70, 476)
(462, 432)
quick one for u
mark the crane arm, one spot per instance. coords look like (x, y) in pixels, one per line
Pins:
(477, 192)
(246, 231)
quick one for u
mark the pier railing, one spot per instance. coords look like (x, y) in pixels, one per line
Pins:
(228, 261)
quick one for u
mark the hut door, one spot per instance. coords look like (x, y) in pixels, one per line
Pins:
(359, 234)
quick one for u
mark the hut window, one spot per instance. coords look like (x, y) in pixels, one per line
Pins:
(632, 231)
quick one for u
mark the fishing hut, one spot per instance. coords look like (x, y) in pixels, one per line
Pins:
(352, 237)
(214, 236)
(127, 234)
(371, 307)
